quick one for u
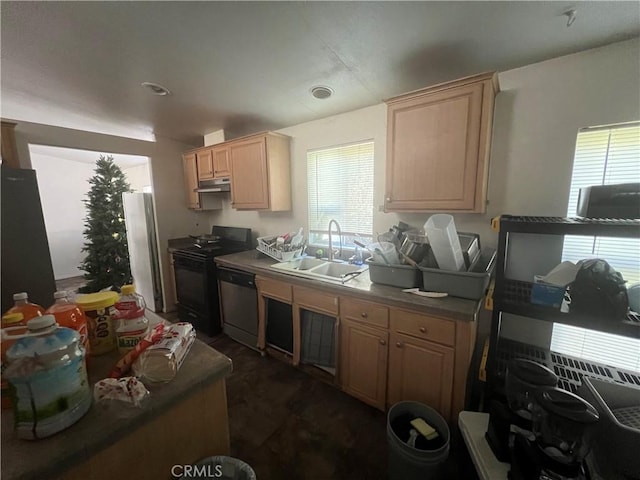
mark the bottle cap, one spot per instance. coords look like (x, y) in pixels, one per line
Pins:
(128, 289)
(9, 318)
(60, 294)
(39, 323)
(20, 296)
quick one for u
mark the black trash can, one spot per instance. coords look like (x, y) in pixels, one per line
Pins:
(219, 467)
(426, 459)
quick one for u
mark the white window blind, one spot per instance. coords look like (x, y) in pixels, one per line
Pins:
(603, 156)
(340, 187)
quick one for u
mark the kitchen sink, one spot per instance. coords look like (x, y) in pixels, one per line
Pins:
(318, 269)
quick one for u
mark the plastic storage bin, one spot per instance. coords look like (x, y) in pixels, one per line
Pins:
(472, 284)
(401, 276)
(617, 435)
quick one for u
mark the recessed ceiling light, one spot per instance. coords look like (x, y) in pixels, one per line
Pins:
(321, 92)
(156, 89)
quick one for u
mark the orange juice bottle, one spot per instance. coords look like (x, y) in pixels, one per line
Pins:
(8, 320)
(69, 314)
(25, 307)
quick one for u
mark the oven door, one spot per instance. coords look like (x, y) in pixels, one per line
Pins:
(191, 283)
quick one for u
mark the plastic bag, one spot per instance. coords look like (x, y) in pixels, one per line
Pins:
(120, 397)
(599, 290)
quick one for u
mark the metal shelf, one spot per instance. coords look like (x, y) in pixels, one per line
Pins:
(515, 300)
(607, 227)
(512, 296)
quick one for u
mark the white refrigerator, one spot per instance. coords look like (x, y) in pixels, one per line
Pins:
(143, 247)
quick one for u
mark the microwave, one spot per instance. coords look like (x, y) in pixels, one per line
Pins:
(610, 201)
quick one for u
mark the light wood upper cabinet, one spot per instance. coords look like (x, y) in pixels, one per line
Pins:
(438, 144)
(260, 173)
(189, 164)
(221, 167)
(363, 362)
(205, 164)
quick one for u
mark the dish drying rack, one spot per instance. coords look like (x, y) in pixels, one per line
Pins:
(285, 253)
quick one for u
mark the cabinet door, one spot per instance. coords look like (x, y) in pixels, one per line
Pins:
(205, 165)
(363, 362)
(433, 152)
(249, 180)
(421, 371)
(221, 167)
(191, 180)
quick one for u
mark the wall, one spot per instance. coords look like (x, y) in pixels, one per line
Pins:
(538, 113)
(173, 219)
(63, 185)
(537, 116)
(138, 176)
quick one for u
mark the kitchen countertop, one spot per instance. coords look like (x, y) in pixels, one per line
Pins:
(45, 458)
(177, 243)
(361, 286)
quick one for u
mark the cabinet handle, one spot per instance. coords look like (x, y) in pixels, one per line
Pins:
(399, 344)
(423, 330)
(388, 199)
(383, 342)
(364, 315)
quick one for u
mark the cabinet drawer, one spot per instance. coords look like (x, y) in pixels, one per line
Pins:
(315, 300)
(429, 328)
(366, 312)
(274, 289)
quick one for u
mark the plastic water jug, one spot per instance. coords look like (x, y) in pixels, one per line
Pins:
(48, 378)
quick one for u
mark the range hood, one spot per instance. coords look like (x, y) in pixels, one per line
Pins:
(218, 185)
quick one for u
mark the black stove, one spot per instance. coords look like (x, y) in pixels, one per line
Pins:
(196, 279)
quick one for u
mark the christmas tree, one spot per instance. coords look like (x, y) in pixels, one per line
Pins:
(107, 261)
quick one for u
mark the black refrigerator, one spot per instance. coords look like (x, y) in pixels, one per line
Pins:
(25, 257)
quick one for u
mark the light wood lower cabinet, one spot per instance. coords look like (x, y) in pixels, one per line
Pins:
(385, 354)
(422, 371)
(363, 362)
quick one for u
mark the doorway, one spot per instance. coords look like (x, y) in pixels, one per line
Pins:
(63, 180)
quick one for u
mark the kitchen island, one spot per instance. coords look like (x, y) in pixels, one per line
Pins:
(387, 345)
(183, 421)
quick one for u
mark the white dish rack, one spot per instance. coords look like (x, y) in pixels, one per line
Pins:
(276, 254)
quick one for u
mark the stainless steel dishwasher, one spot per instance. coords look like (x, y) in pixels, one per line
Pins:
(239, 305)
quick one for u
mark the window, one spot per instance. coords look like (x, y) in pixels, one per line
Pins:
(603, 156)
(340, 187)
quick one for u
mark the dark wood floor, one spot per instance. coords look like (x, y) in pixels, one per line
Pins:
(287, 424)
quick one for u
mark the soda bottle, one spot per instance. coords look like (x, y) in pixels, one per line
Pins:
(69, 314)
(25, 307)
(8, 320)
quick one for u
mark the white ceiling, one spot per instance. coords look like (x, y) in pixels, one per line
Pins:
(248, 66)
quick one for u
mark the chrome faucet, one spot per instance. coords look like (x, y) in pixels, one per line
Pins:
(331, 243)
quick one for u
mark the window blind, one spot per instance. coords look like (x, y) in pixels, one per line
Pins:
(603, 156)
(340, 187)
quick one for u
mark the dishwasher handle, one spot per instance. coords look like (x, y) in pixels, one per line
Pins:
(236, 277)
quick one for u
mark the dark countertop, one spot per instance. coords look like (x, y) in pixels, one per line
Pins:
(176, 243)
(361, 286)
(45, 458)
